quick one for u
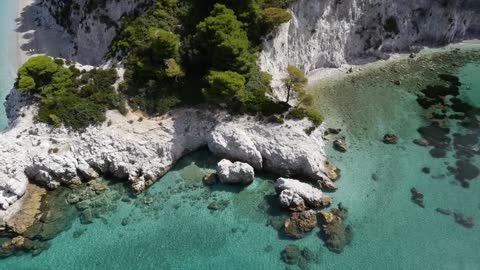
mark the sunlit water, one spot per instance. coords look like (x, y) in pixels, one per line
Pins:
(171, 226)
(8, 52)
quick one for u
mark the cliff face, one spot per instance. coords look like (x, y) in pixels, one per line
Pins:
(91, 24)
(329, 33)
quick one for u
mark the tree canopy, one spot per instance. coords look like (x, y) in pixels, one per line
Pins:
(66, 95)
(223, 86)
(295, 81)
(223, 42)
(36, 73)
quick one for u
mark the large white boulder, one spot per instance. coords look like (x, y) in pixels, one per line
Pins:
(312, 196)
(235, 172)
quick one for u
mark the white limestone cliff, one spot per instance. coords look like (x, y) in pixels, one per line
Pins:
(332, 33)
(85, 29)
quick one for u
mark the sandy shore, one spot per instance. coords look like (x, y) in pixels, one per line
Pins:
(318, 75)
(23, 37)
(37, 33)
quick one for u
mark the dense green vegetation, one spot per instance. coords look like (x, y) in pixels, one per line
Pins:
(175, 52)
(190, 51)
(67, 95)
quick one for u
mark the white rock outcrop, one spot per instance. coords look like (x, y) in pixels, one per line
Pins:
(235, 172)
(312, 196)
(291, 200)
(329, 34)
(143, 151)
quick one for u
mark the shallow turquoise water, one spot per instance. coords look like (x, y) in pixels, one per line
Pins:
(178, 231)
(7, 52)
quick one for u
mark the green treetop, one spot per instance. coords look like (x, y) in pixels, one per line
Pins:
(164, 44)
(36, 73)
(223, 86)
(222, 40)
(295, 81)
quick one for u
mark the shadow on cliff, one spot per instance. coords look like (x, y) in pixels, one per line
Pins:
(39, 34)
(405, 29)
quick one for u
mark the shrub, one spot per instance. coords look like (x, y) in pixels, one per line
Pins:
(224, 86)
(273, 16)
(66, 95)
(311, 114)
(40, 69)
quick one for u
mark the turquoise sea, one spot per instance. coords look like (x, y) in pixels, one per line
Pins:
(171, 227)
(8, 11)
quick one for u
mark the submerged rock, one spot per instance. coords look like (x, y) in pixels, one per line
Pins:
(218, 205)
(327, 184)
(235, 173)
(426, 170)
(312, 196)
(421, 142)
(335, 232)
(300, 223)
(340, 145)
(417, 197)
(334, 131)
(291, 254)
(390, 139)
(87, 216)
(444, 211)
(466, 222)
(209, 179)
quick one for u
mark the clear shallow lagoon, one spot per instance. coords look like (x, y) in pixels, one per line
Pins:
(171, 227)
(8, 12)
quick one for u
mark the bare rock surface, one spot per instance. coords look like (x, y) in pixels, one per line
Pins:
(235, 172)
(333, 34)
(312, 196)
(143, 151)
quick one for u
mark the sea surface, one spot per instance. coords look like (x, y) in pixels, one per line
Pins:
(171, 226)
(8, 67)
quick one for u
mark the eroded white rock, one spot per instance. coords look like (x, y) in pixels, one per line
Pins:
(312, 196)
(235, 172)
(142, 152)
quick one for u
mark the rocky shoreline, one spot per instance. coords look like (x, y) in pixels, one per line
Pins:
(143, 149)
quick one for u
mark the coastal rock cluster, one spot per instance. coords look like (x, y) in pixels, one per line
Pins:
(143, 151)
(306, 205)
(326, 34)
